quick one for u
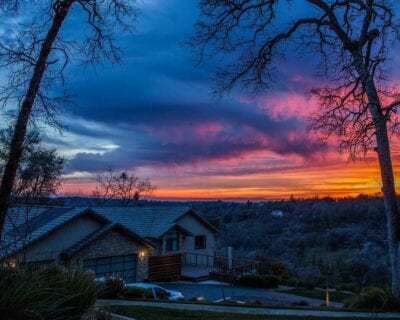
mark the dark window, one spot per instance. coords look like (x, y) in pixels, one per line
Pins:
(200, 242)
(116, 266)
(172, 241)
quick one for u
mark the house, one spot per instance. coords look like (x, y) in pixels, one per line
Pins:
(108, 241)
(168, 229)
(277, 213)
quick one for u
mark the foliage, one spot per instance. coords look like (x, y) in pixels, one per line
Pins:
(377, 299)
(124, 186)
(351, 287)
(112, 288)
(345, 235)
(353, 40)
(36, 55)
(301, 303)
(279, 270)
(103, 315)
(263, 281)
(292, 282)
(137, 293)
(39, 171)
(307, 283)
(46, 294)
(320, 294)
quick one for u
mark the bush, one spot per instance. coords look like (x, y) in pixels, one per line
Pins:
(103, 315)
(301, 303)
(263, 281)
(351, 287)
(137, 293)
(46, 294)
(377, 299)
(279, 270)
(112, 288)
(292, 282)
(308, 284)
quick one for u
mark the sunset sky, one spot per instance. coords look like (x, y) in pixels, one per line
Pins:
(154, 114)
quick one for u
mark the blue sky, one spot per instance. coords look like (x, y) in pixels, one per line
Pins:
(154, 114)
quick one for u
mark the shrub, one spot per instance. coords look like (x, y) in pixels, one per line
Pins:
(263, 281)
(46, 294)
(137, 293)
(301, 303)
(112, 288)
(103, 315)
(308, 284)
(352, 287)
(317, 281)
(292, 282)
(376, 298)
(279, 270)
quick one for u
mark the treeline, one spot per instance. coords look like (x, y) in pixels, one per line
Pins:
(343, 240)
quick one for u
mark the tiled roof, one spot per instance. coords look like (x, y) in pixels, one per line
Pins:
(25, 224)
(150, 222)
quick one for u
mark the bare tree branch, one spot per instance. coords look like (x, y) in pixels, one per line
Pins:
(124, 187)
(37, 57)
(352, 38)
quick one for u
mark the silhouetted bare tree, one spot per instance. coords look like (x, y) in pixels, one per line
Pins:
(353, 38)
(124, 186)
(38, 55)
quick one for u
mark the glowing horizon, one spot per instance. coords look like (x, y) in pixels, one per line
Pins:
(336, 180)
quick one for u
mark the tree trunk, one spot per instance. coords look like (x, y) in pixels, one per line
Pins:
(387, 176)
(390, 199)
(16, 148)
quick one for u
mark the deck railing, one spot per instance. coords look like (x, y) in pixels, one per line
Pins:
(237, 267)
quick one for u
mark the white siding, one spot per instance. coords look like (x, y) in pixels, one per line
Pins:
(197, 228)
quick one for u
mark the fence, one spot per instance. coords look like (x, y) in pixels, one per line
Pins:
(166, 267)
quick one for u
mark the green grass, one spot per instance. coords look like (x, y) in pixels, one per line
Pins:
(319, 294)
(154, 313)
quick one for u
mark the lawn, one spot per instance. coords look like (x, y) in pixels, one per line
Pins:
(153, 313)
(319, 294)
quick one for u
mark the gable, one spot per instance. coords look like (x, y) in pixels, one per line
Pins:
(52, 244)
(195, 225)
(111, 243)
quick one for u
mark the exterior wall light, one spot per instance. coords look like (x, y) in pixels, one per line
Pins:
(142, 253)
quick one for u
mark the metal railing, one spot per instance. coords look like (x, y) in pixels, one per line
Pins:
(238, 267)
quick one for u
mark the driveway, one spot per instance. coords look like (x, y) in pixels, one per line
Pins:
(215, 292)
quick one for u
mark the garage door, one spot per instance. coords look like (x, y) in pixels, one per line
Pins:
(116, 266)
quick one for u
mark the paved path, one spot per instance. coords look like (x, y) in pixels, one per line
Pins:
(213, 292)
(249, 310)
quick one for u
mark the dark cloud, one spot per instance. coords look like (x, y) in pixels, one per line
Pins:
(156, 106)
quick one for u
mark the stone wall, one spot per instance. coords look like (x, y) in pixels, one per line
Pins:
(115, 243)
